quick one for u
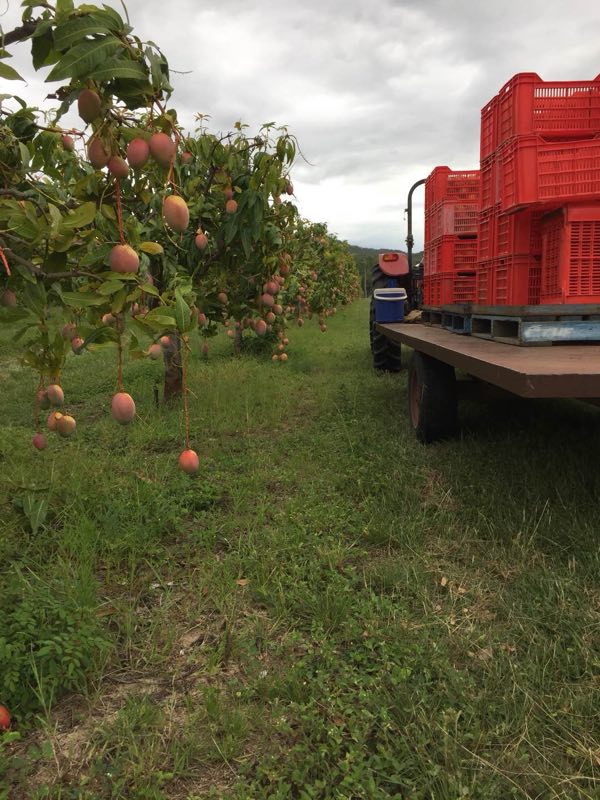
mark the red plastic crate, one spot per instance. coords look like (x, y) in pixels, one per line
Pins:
(486, 234)
(460, 186)
(485, 288)
(549, 174)
(516, 281)
(437, 290)
(449, 218)
(450, 254)
(519, 233)
(490, 182)
(446, 289)
(529, 105)
(571, 255)
(489, 129)
(465, 287)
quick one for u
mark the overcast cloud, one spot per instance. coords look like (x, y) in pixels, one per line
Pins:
(378, 93)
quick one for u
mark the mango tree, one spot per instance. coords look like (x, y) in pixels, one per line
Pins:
(100, 248)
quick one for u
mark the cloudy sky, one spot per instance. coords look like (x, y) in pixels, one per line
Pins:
(378, 92)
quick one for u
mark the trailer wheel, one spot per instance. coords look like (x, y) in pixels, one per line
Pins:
(387, 355)
(432, 402)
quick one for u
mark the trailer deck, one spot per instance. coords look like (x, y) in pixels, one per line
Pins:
(565, 370)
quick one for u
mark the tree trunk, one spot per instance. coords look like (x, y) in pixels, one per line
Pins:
(237, 342)
(173, 387)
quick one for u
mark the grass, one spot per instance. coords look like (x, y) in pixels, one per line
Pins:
(330, 610)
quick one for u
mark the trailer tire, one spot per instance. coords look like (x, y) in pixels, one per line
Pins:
(387, 355)
(432, 398)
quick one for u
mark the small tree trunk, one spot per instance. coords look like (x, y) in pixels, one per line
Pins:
(173, 370)
(237, 341)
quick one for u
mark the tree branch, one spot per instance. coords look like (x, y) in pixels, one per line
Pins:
(21, 33)
(16, 194)
(35, 270)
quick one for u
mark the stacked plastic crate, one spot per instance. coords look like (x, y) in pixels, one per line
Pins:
(539, 226)
(451, 217)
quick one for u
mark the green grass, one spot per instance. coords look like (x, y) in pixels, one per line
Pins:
(330, 610)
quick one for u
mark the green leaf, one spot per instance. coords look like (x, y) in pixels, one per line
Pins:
(119, 301)
(41, 47)
(109, 287)
(97, 255)
(82, 299)
(122, 68)
(84, 58)
(17, 315)
(55, 219)
(34, 298)
(183, 313)
(147, 288)
(64, 7)
(9, 73)
(55, 262)
(80, 217)
(100, 335)
(246, 238)
(76, 29)
(112, 17)
(152, 248)
(25, 155)
(158, 319)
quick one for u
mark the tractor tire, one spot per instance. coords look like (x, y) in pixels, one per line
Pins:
(387, 355)
(432, 398)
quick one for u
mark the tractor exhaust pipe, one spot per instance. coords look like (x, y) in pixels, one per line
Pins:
(415, 280)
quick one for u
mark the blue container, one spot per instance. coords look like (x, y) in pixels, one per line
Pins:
(389, 305)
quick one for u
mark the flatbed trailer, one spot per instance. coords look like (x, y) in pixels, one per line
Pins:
(558, 371)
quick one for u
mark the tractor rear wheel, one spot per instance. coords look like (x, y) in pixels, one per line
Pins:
(432, 399)
(387, 355)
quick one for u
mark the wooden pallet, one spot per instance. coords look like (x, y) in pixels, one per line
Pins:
(520, 325)
(457, 322)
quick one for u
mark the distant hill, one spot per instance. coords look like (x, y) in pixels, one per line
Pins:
(367, 257)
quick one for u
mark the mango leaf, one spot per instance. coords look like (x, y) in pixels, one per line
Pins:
(119, 301)
(122, 68)
(22, 331)
(84, 58)
(82, 299)
(158, 319)
(153, 248)
(112, 18)
(140, 328)
(109, 287)
(24, 273)
(55, 219)
(148, 288)
(41, 47)
(101, 335)
(76, 29)
(9, 73)
(34, 298)
(183, 313)
(97, 255)
(81, 217)
(64, 7)
(25, 155)
(44, 26)
(16, 315)
(246, 238)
